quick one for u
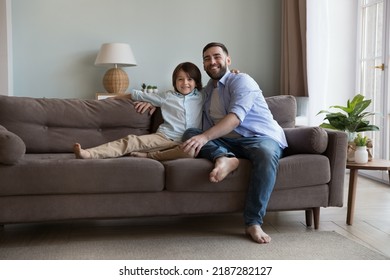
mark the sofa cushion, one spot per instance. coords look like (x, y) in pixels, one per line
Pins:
(12, 148)
(53, 174)
(50, 125)
(283, 109)
(306, 140)
(192, 175)
(303, 170)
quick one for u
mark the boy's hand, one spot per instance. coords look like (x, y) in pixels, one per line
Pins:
(141, 107)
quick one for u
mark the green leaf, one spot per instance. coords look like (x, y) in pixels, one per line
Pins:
(326, 125)
(351, 118)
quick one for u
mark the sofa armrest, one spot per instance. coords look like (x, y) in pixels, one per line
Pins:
(12, 147)
(331, 143)
(337, 154)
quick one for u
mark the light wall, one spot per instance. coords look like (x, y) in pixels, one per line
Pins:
(55, 43)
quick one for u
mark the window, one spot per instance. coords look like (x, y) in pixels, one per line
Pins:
(373, 74)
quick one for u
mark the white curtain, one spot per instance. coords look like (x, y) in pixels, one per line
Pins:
(331, 54)
(317, 58)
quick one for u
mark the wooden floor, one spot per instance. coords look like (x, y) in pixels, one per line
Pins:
(371, 225)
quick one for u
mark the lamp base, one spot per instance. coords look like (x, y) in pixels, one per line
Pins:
(116, 81)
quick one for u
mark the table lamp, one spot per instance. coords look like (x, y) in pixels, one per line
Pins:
(115, 80)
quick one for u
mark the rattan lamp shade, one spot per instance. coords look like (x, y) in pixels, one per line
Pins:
(115, 79)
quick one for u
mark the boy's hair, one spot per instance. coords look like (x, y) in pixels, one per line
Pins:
(192, 70)
(216, 44)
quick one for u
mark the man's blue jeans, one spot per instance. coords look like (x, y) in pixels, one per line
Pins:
(264, 154)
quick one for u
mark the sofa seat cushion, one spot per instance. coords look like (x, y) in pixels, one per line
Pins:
(303, 170)
(39, 174)
(192, 175)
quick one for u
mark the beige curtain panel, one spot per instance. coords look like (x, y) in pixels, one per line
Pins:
(293, 61)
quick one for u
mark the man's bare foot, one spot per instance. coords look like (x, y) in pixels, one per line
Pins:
(80, 153)
(139, 154)
(223, 167)
(257, 234)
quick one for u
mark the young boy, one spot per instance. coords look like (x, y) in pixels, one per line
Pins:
(181, 109)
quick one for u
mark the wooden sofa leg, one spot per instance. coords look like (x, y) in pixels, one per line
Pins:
(313, 214)
(309, 217)
(316, 215)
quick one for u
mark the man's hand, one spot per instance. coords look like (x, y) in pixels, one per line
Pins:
(195, 143)
(141, 107)
(223, 127)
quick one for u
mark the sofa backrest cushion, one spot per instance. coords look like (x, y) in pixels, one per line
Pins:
(48, 125)
(284, 109)
(53, 125)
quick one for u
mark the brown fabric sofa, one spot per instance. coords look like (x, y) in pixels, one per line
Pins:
(40, 180)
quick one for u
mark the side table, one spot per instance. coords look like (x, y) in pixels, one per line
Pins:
(375, 164)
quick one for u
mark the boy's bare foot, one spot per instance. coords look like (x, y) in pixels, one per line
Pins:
(139, 154)
(257, 234)
(80, 153)
(223, 167)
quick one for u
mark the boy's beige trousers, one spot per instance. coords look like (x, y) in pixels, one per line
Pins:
(156, 145)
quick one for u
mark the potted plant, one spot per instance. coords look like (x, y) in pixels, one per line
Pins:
(143, 86)
(361, 141)
(149, 89)
(351, 119)
(155, 89)
(361, 153)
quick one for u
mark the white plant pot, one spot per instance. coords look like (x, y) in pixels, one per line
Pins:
(361, 154)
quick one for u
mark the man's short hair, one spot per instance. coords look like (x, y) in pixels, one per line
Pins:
(216, 44)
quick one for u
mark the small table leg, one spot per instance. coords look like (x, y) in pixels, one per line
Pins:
(351, 195)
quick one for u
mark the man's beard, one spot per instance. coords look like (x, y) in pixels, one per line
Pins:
(217, 75)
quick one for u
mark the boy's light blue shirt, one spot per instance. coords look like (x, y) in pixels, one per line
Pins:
(242, 96)
(179, 111)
